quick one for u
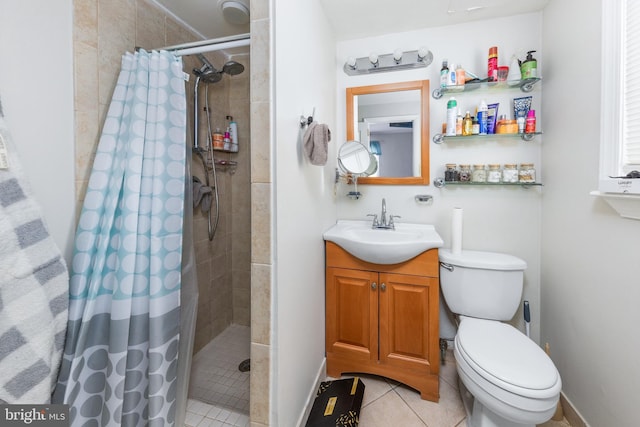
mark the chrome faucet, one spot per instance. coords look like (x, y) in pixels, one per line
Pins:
(385, 223)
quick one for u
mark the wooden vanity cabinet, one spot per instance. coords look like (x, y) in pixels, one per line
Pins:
(382, 319)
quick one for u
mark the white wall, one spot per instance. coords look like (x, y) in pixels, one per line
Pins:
(36, 89)
(501, 219)
(305, 207)
(590, 269)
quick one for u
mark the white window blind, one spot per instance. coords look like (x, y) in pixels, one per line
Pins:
(631, 101)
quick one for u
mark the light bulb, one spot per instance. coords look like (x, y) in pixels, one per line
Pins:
(351, 62)
(397, 56)
(422, 53)
(373, 58)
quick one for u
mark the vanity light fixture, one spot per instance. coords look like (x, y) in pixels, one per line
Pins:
(396, 61)
(373, 58)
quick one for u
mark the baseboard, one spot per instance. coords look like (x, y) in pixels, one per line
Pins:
(321, 376)
(571, 413)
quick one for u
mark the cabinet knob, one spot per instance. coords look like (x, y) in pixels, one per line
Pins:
(374, 285)
(383, 287)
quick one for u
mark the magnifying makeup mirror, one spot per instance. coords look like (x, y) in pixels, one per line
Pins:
(354, 158)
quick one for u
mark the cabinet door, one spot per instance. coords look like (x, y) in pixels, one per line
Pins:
(409, 322)
(352, 313)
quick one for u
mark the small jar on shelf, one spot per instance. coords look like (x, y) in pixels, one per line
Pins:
(465, 173)
(495, 174)
(527, 173)
(510, 173)
(479, 174)
(451, 173)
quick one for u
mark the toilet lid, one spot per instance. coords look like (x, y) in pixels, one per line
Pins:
(505, 356)
(482, 260)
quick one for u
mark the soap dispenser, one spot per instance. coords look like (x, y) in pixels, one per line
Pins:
(529, 67)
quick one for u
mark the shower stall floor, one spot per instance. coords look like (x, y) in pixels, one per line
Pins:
(215, 377)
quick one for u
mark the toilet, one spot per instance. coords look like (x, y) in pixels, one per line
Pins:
(505, 379)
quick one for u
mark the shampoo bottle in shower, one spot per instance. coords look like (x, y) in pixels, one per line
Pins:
(233, 126)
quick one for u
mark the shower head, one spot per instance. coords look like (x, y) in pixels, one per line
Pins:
(209, 74)
(233, 68)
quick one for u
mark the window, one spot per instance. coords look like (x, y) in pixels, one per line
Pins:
(620, 139)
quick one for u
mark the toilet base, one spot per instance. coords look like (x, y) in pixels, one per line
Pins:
(479, 415)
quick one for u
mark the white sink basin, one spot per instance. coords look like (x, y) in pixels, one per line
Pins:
(381, 246)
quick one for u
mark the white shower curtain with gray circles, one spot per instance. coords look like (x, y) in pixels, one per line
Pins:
(121, 353)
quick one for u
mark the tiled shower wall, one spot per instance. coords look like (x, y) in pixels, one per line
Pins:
(224, 263)
(103, 31)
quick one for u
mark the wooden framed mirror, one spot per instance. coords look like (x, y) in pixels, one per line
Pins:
(392, 121)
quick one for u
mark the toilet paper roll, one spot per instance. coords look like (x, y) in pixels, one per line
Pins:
(456, 231)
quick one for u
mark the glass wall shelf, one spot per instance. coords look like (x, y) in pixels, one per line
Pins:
(439, 138)
(440, 182)
(525, 85)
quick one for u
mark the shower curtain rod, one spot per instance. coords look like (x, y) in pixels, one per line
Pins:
(209, 45)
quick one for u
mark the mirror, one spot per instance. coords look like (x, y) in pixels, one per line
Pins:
(392, 122)
(354, 158)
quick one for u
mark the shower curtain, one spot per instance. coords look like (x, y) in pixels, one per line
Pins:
(121, 354)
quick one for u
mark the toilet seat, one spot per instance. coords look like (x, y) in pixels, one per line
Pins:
(506, 358)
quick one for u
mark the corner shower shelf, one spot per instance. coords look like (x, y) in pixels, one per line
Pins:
(440, 183)
(439, 138)
(525, 85)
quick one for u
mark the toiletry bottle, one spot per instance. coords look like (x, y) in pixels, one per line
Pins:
(460, 78)
(483, 112)
(467, 124)
(218, 140)
(493, 64)
(514, 71)
(475, 126)
(530, 126)
(444, 74)
(459, 122)
(452, 107)
(234, 134)
(227, 139)
(529, 67)
(451, 81)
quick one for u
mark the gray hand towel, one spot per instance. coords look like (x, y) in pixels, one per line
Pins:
(316, 139)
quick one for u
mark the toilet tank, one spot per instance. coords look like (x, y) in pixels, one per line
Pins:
(486, 285)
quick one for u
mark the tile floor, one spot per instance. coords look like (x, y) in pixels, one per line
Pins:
(386, 403)
(216, 386)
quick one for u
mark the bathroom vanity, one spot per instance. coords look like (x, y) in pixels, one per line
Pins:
(382, 319)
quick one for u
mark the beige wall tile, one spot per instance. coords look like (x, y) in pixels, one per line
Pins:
(260, 142)
(259, 383)
(86, 141)
(260, 57)
(259, 9)
(85, 15)
(261, 303)
(85, 70)
(150, 26)
(261, 223)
